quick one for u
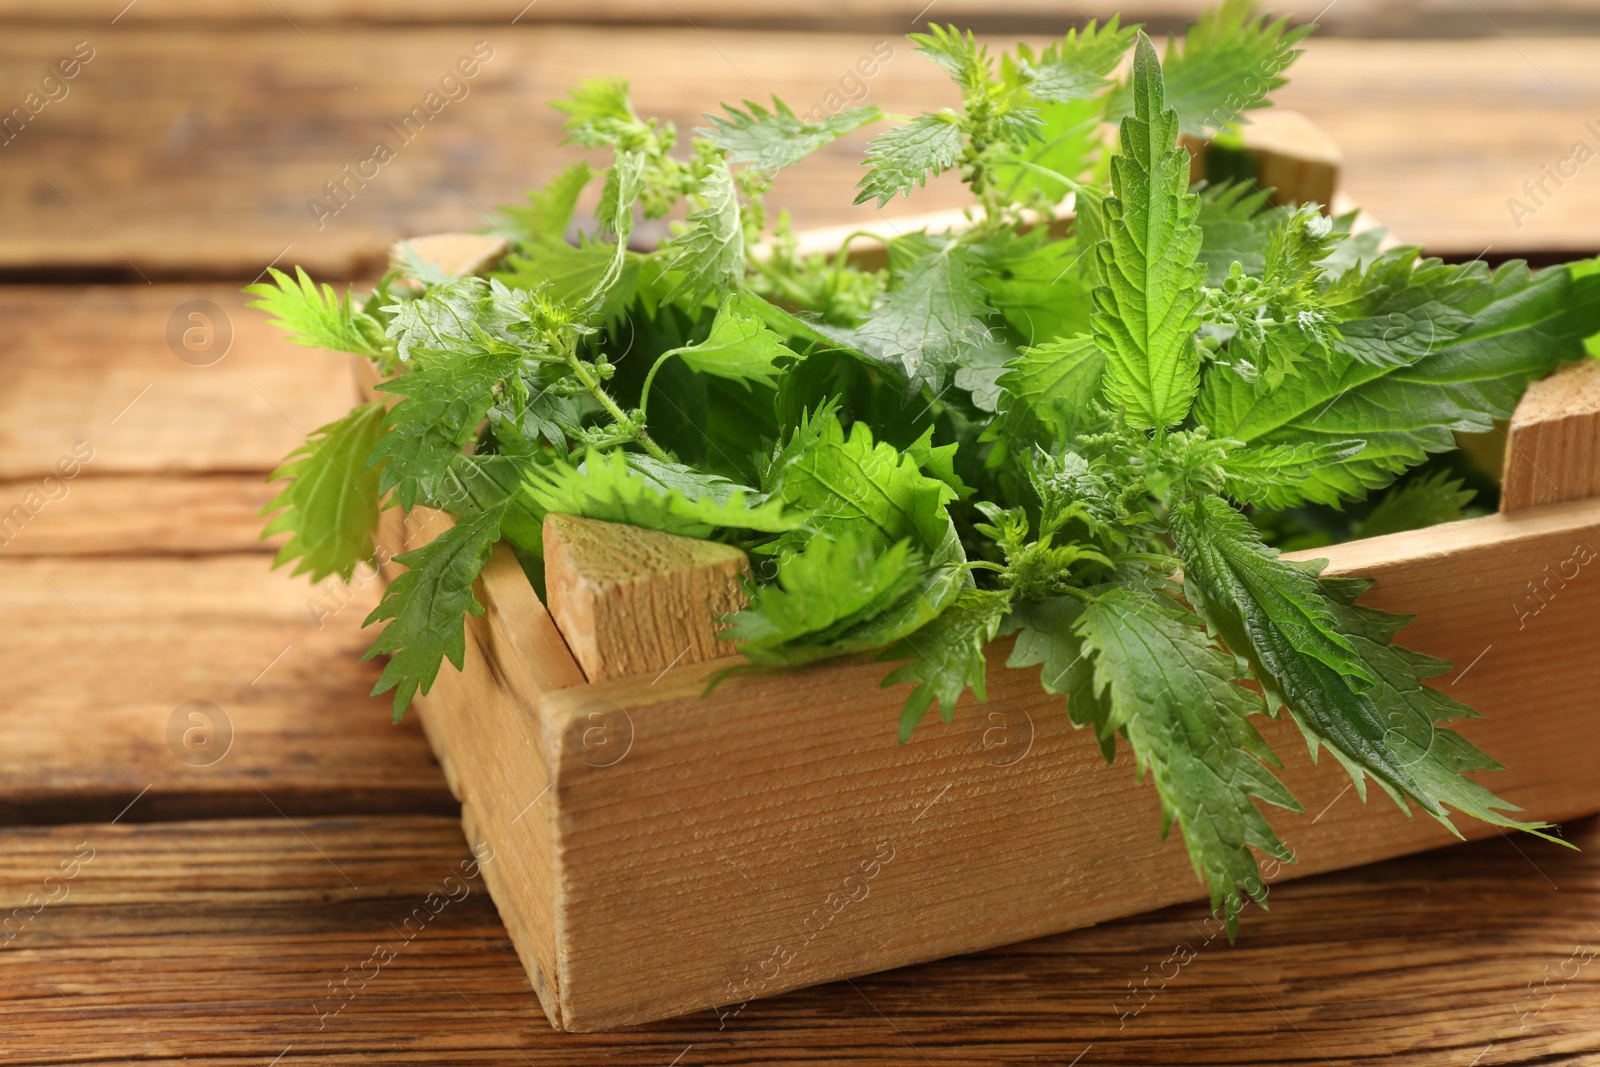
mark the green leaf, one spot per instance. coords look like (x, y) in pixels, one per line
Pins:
(1518, 326)
(947, 656)
(623, 186)
(1050, 393)
(1236, 220)
(933, 317)
(821, 594)
(330, 506)
(427, 607)
(640, 491)
(739, 347)
(1281, 476)
(476, 484)
(901, 158)
(709, 253)
(598, 111)
(1421, 502)
(1067, 142)
(1075, 67)
(1146, 312)
(779, 138)
(570, 274)
(959, 54)
(1378, 719)
(1038, 285)
(1231, 61)
(317, 319)
(1176, 699)
(549, 209)
(447, 394)
(1047, 638)
(855, 482)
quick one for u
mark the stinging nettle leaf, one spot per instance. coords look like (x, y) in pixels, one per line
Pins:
(709, 253)
(330, 506)
(780, 138)
(903, 157)
(1146, 310)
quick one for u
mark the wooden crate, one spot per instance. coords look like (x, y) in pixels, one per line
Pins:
(660, 850)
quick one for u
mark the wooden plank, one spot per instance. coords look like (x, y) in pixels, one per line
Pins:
(1553, 442)
(91, 369)
(633, 601)
(101, 676)
(135, 515)
(733, 817)
(165, 174)
(1359, 18)
(214, 943)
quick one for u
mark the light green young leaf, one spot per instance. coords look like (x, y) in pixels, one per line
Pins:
(598, 111)
(959, 54)
(330, 506)
(932, 318)
(1067, 143)
(317, 319)
(640, 491)
(947, 656)
(1145, 313)
(427, 607)
(739, 347)
(779, 138)
(1050, 392)
(549, 209)
(1038, 285)
(709, 253)
(623, 186)
(902, 158)
(1075, 67)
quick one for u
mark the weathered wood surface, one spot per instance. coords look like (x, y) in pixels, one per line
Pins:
(213, 944)
(102, 655)
(1553, 441)
(189, 151)
(93, 365)
(1358, 18)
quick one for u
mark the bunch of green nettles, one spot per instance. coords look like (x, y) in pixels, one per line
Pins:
(1003, 433)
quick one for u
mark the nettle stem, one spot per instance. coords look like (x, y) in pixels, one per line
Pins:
(621, 418)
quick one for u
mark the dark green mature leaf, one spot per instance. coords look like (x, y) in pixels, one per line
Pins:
(330, 506)
(932, 318)
(1075, 67)
(317, 319)
(640, 491)
(427, 607)
(947, 656)
(1146, 312)
(1038, 285)
(902, 158)
(1371, 710)
(779, 138)
(1236, 219)
(709, 253)
(1176, 699)
(1520, 327)
(1421, 502)
(1047, 637)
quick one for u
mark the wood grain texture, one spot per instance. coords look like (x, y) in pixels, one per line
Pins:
(111, 652)
(93, 365)
(213, 944)
(1553, 443)
(633, 601)
(1359, 18)
(136, 515)
(197, 150)
(700, 863)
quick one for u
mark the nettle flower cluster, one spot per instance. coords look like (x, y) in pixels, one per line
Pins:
(1004, 433)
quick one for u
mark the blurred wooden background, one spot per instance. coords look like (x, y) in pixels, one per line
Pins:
(228, 893)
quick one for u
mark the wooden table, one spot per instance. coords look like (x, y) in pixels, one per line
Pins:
(205, 913)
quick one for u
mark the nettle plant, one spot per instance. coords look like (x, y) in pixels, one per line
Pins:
(1077, 441)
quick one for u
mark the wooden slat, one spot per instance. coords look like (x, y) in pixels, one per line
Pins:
(213, 944)
(1552, 447)
(101, 654)
(137, 515)
(209, 171)
(1359, 18)
(93, 365)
